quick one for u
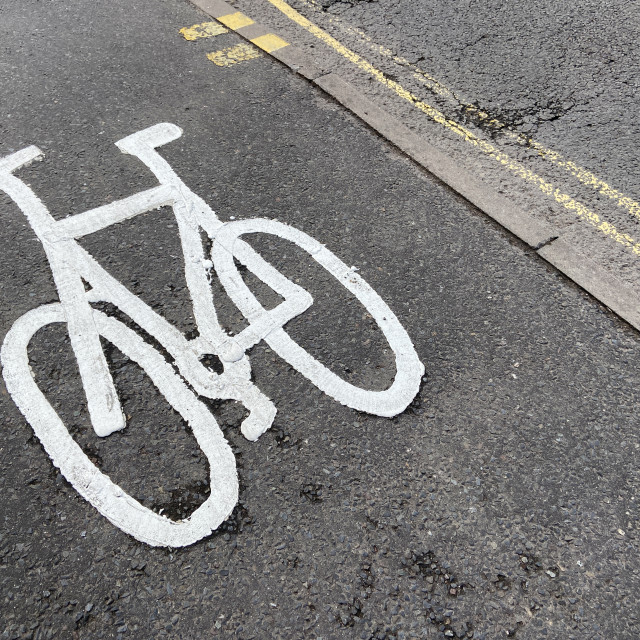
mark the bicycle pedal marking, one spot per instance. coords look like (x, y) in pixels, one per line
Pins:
(71, 264)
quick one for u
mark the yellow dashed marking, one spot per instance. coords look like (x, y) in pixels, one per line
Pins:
(204, 30)
(232, 55)
(270, 42)
(504, 159)
(236, 20)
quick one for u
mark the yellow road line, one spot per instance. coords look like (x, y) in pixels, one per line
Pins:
(585, 176)
(482, 118)
(204, 30)
(504, 159)
(232, 55)
(235, 20)
(270, 42)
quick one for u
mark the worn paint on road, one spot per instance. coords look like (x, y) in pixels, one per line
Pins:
(232, 55)
(204, 30)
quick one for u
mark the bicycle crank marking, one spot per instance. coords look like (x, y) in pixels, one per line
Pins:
(71, 265)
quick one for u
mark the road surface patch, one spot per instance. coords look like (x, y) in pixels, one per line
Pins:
(242, 52)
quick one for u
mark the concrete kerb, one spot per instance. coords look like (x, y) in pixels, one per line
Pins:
(602, 285)
(548, 243)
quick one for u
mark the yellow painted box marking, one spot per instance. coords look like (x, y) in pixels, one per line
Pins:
(232, 55)
(270, 42)
(235, 20)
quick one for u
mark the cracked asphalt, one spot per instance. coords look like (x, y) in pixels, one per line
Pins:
(568, 71)
(553, 88)
(501, 503)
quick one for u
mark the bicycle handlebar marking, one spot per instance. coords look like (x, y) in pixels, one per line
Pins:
(71, 264)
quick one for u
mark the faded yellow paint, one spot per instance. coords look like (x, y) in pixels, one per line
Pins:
(204, 30)
(270, 42)
(515, 167)
(583, 175)
(235, 20)
(232, 55)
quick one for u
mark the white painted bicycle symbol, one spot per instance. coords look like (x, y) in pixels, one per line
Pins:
(72, 266)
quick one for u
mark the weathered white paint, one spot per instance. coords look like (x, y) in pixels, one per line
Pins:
(107, 497)
(268, 325)
(71, 264)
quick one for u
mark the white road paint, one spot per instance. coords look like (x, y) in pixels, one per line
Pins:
(110, 499)
(267, 325)
(71, 264)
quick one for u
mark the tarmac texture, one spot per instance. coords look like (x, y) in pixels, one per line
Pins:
(501, 503)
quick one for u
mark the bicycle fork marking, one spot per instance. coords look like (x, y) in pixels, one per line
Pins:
(71, 265)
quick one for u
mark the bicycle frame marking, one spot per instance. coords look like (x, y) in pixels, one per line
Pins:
(71, 264)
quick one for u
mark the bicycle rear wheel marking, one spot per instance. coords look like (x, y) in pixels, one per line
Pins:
(70, 264)
(108, 498)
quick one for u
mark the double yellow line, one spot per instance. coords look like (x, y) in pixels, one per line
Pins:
(483, 119)
(509, 163)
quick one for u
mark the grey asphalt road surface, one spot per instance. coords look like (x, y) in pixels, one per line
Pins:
(501, 503)
(543, 97)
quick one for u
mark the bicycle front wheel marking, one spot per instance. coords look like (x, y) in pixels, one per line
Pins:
(409, 369)
(97, 488)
